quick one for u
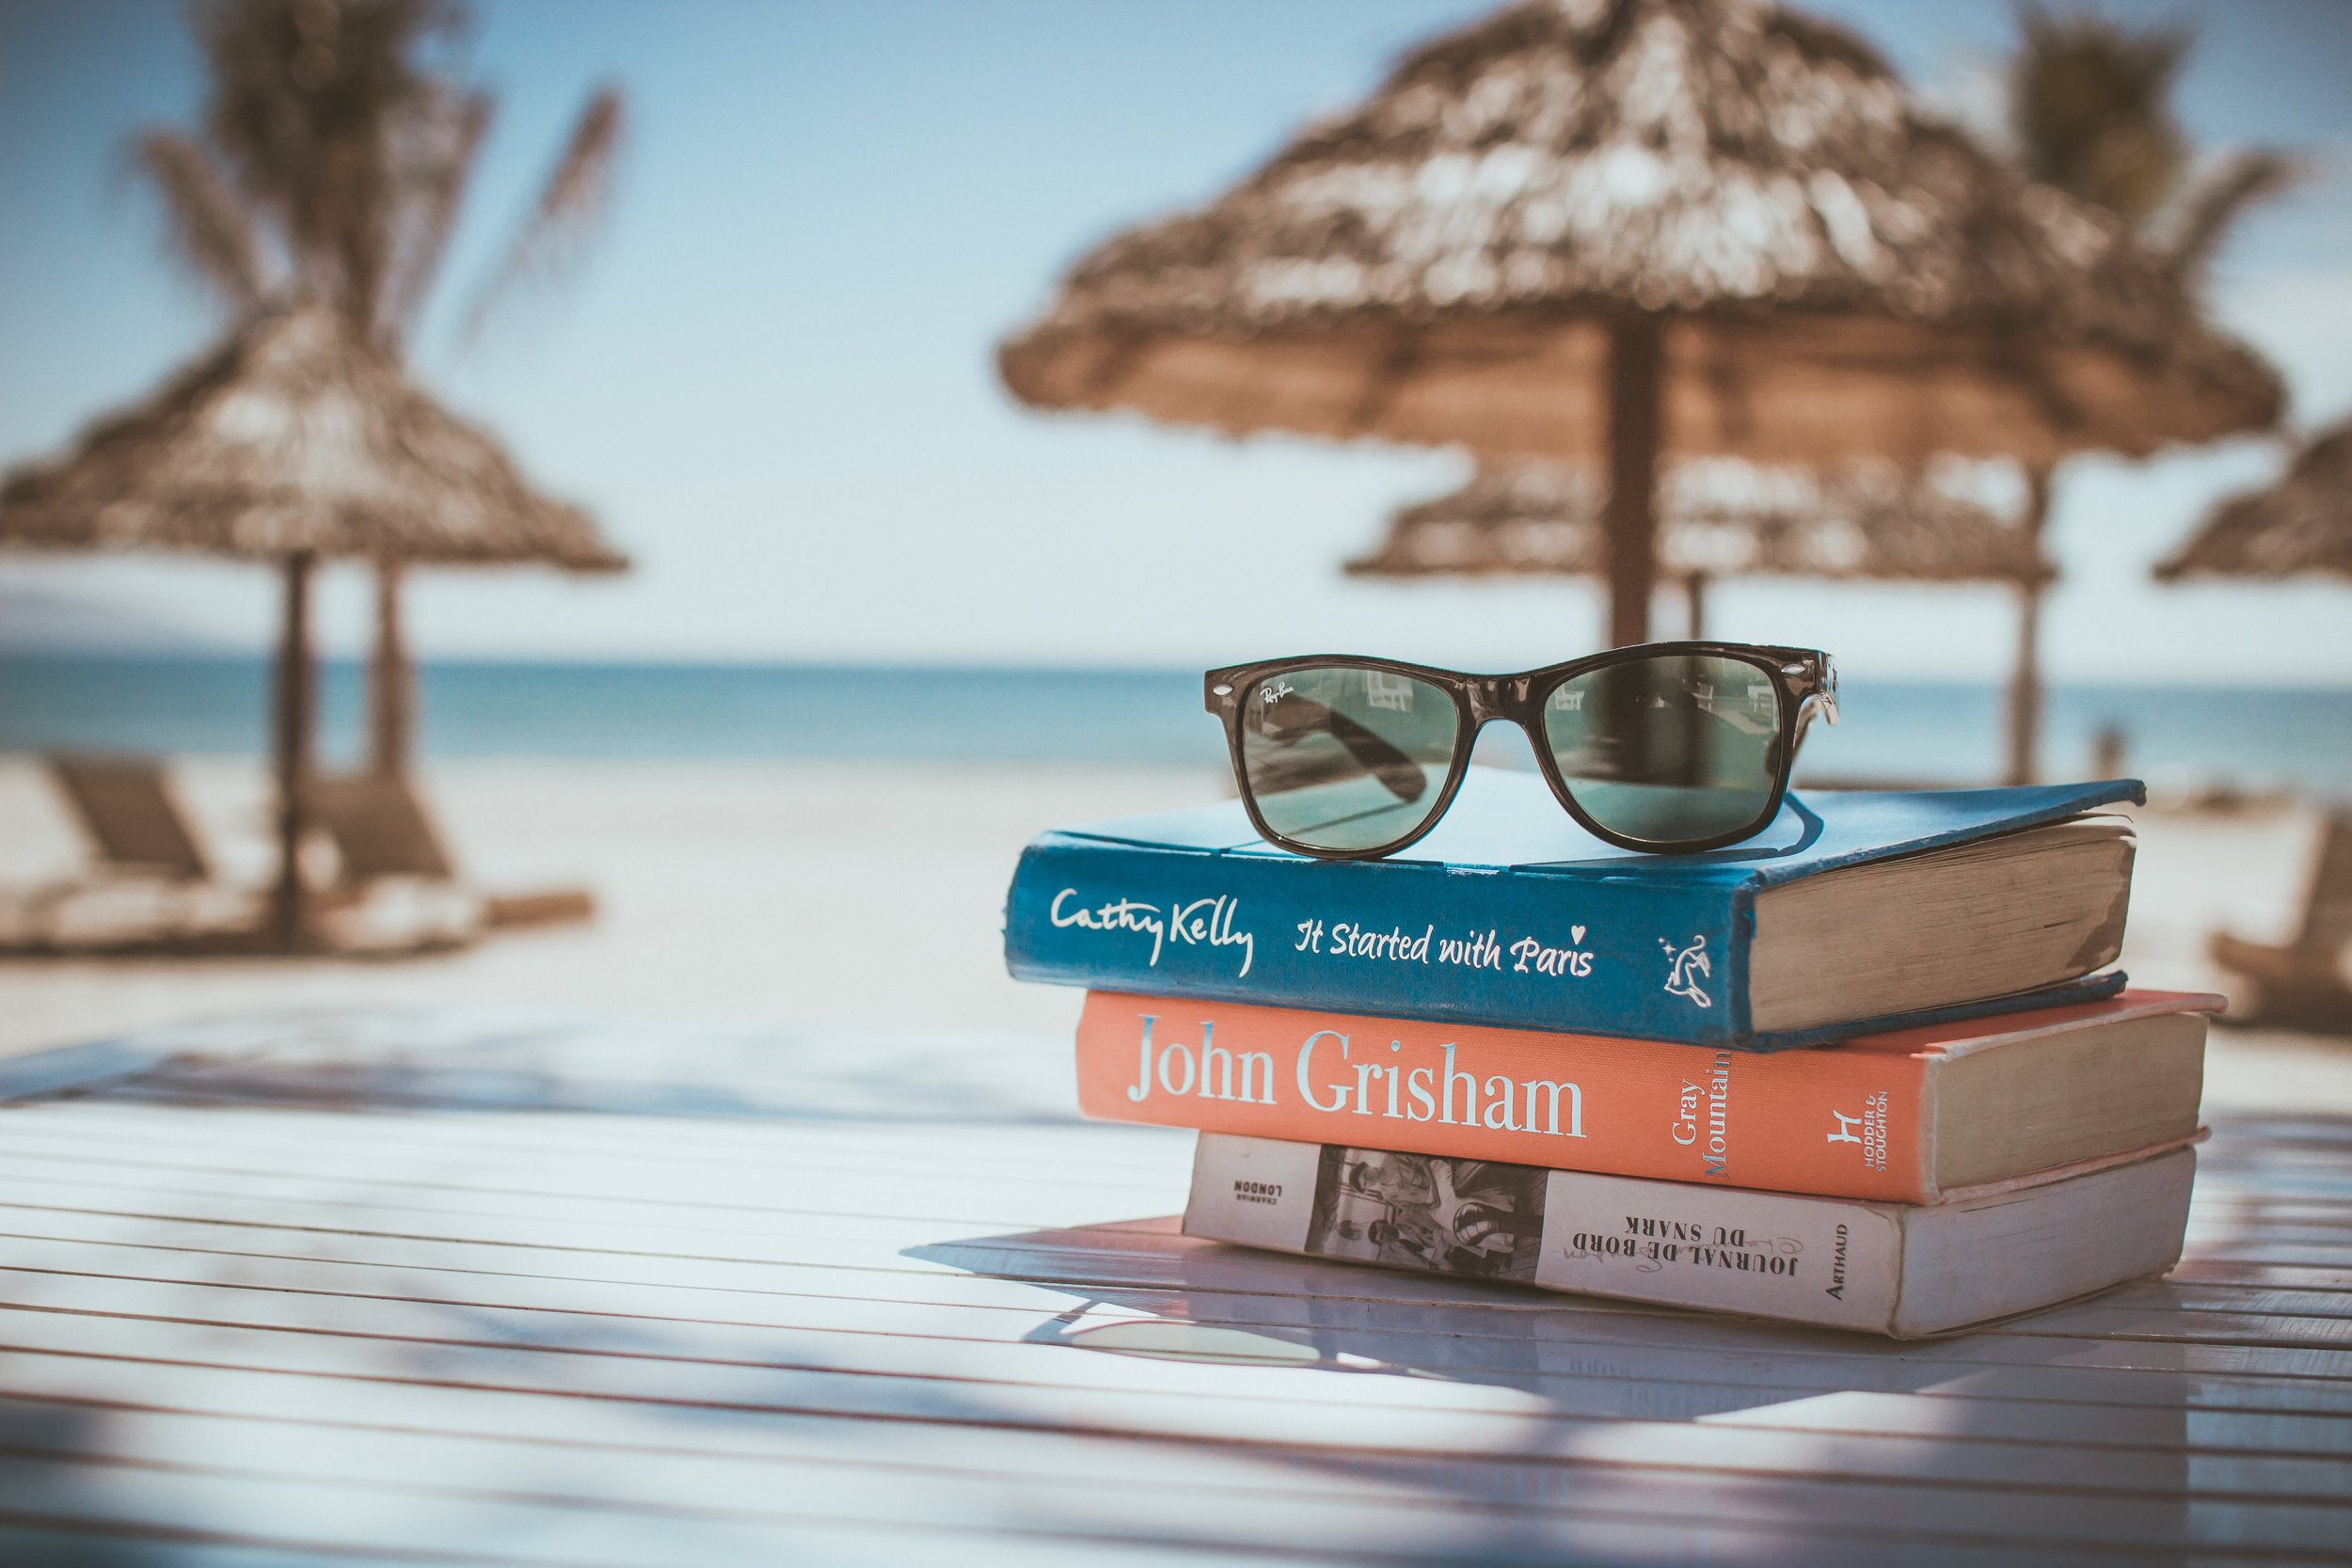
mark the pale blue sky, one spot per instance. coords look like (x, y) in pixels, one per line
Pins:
(773, 380)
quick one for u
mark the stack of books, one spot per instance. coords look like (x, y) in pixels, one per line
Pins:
(1868, 1070)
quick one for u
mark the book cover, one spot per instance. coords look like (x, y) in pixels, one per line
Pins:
(1879, 1268)
(1508, 913)
(1852, 1122)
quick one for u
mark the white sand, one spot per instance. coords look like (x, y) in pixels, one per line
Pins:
(871, 895)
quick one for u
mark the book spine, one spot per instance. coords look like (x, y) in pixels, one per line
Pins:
(1845, 1123)
(1771, 1255)
(1657, 960)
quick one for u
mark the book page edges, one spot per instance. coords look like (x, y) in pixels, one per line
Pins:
(2065, 993)
(1895, 1327)
(2072, 1169)
(1964, 1038)
(2056, 803)
(1926, 1142)
(2054, 1020)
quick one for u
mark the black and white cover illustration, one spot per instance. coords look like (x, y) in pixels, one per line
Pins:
(1423, 1211)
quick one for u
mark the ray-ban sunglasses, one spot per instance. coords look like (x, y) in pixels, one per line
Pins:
(1669, 747)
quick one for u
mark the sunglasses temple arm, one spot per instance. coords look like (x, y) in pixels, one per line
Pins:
(1820, 702)
(1806, 814)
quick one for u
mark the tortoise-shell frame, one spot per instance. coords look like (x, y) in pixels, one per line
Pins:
(1803, 681)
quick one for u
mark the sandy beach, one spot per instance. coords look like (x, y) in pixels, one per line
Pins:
(870, 895)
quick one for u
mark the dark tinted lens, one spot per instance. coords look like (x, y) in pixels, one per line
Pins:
(1346, 758)
(1668, 750)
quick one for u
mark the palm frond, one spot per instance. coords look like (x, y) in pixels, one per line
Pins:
(212, 233)
(304, 96)
(571, 203)
(2089, 106)
(2208, 208)
(434, 182)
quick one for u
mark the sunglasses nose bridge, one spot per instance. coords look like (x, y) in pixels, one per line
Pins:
(1500, 699)
(1496, 697)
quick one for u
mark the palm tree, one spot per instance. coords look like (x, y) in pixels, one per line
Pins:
(2090, 110)
(331, 165)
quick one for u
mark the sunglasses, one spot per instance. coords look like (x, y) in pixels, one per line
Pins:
(1668, 747)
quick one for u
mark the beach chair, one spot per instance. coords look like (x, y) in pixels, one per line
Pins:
(380, 830)
(2304, 983)
(383, 835)
(137, 836)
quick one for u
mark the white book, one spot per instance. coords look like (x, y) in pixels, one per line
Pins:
(1904, 1270)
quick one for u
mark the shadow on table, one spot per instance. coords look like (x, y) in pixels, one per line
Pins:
(1519, 1425)
(1799, 1442)
(1587, 1355)
(44, 1496)
(539, 1059)
(2122, 1422)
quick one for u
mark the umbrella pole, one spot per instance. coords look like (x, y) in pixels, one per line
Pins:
(1636, 388)
(2024, 682)
(296, 676)
(1694, 594)
(392, 680)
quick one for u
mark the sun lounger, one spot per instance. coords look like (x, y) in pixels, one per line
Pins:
(380, 830)
(383, 835)
(2303, 983)
(137, 837)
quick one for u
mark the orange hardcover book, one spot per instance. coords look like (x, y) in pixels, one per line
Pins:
(1902, 1117)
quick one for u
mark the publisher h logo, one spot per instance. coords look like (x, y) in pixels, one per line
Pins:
(1867, 1129)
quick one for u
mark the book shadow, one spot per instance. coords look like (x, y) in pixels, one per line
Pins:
(2103, 1423)
(1587, 1355)
(1613, 1400)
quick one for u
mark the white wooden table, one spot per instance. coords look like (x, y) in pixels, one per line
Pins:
(484, 1288)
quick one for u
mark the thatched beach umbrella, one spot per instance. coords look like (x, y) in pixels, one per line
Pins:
(294, 441)
(2301, 524)
(1718, 518)
(1612, 231)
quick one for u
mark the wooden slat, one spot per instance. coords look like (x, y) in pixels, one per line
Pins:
(1092, 1265)
(1981, 1416)
(504, 1288)
(810, 1371)
(1570, 1372)
(1154, 1270)
(1142, 1492)
(1098, 1262)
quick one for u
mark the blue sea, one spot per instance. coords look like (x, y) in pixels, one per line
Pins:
(2245, 738)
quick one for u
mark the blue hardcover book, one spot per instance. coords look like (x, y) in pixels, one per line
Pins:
(1853, 912)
